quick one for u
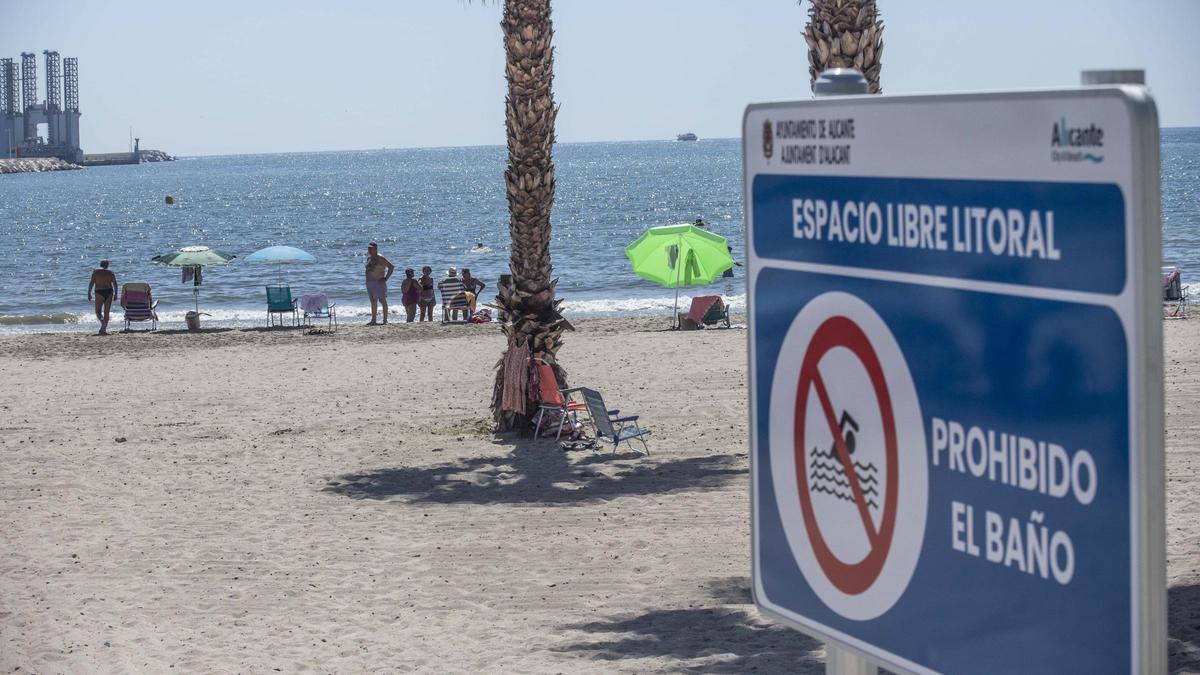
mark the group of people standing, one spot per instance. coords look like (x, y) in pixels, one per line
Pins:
(416, 293)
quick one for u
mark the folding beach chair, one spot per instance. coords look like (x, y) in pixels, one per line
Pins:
(139, 304)
(553, 402)
(1175, 294)
(709, 310)
(317, 306)
(280, 301)
(611, 427)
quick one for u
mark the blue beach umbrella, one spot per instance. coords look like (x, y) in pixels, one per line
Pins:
(280, 255)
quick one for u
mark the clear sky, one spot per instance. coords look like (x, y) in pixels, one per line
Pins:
(223, 76)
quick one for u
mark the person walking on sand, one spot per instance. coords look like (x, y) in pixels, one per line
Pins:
(105, 283)
(410, 294)
(426, 300)
(379, 270)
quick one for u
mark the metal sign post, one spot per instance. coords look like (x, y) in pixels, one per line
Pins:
(956, 379)
(843, 82)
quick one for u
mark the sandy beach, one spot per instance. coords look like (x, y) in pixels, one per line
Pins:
(260, 501)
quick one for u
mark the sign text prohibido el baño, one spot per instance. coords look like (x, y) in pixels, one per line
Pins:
(956, 378)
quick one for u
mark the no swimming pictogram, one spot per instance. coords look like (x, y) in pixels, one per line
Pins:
(848, 450)
(837, 473)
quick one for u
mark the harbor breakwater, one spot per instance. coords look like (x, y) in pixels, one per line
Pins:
(35, 165)
(155, 156)
(41, 164)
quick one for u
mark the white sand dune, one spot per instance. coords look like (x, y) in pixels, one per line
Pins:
(331, 503)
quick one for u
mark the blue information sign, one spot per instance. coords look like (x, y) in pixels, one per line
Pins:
(956, 409)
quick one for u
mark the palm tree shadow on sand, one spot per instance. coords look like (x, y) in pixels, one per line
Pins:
(1183, 629)
(539, 472)
(728, 637)
(731, 638)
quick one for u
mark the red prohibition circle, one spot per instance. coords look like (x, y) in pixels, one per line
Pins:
(849, 578)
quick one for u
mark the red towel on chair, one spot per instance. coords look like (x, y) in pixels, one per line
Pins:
(700, 306)
(548, 385)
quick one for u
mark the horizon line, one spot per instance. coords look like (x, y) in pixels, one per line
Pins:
(483, 145)
(438, 147)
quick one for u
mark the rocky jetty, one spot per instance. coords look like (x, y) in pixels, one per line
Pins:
(35, 165)
(155, 156)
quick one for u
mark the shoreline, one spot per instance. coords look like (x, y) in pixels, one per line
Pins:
(248, 317)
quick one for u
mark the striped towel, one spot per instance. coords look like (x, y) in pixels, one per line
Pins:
(516, 377)
(453, 292)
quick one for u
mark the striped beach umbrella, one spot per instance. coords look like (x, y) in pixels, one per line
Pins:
(197, 257)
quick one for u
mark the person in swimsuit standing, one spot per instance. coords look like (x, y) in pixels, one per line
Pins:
(379, 270)
(410, 292)
(472, 286)
(427, 299)
(105, 283)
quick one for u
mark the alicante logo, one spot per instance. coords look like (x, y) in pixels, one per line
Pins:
(768, 140)
(1070, 142)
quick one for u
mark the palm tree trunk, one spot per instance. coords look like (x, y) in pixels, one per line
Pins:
(533, 316)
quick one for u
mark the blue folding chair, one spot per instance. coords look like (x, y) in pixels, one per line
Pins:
(280, 301)
(610, 426)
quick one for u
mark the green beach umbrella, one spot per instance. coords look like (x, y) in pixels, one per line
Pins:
(194, 256)
(679, 255)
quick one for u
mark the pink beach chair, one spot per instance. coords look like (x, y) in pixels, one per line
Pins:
(316, 306)
(139, 304)
(1175, 294)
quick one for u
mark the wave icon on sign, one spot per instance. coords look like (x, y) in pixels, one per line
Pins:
(827, 474)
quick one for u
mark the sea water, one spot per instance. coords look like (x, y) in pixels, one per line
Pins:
(423, 207)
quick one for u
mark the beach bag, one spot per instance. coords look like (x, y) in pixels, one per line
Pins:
(572, 429)
(548, 424)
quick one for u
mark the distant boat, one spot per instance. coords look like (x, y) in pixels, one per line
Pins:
(689, 136)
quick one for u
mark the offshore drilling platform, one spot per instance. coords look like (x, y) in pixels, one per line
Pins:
(22, 114)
